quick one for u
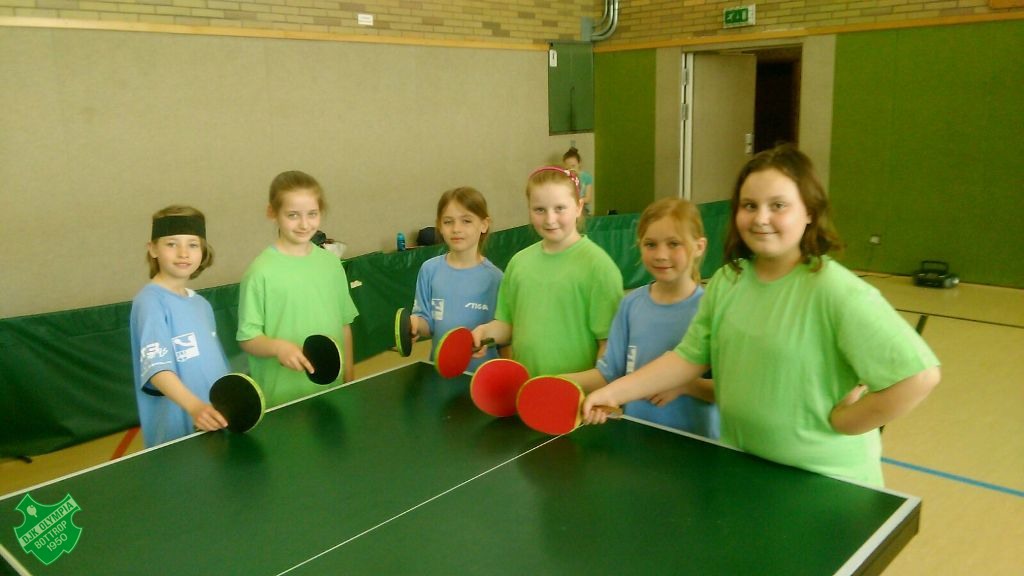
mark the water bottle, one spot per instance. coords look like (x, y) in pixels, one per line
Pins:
(401, 241)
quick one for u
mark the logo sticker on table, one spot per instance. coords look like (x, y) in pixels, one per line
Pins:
(48, 530)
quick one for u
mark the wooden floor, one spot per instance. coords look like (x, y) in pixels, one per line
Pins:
(962, 451)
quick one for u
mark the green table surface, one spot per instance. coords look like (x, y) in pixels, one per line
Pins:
(400, 474)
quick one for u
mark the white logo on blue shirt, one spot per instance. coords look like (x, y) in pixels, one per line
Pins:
(151, 355)
(437, 308)
(185, 347)
(475, 306)
(630, 359)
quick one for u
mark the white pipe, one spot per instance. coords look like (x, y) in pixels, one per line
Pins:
(610, 21)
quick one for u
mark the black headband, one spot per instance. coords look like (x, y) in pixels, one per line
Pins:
(174, 225)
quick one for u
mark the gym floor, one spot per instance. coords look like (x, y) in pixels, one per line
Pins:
(961, 451)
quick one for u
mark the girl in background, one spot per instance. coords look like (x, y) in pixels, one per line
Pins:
(460, 287)
(572, 161)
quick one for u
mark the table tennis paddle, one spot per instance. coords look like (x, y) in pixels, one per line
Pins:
(403, 332)
(495, 384)
(323, 353)
(551, 405)
(240, 400)
(455, 351)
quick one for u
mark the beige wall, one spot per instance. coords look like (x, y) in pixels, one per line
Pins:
(103, 128)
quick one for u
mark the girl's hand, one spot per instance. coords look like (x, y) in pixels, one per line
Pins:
(599, 397)
(206, 418)
(290, 356)
(854, 395)
(479, 334)
(414, 327)
(844, 405)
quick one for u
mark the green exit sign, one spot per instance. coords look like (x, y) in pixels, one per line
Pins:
(739, 16)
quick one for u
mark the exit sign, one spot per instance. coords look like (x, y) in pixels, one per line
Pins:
(740, 16)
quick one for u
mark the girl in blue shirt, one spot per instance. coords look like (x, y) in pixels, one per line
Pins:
(177, 356)
(652, 319)
(460, 287)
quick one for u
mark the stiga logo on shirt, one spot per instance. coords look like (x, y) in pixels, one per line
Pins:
(48, 531)
(185, 346)
(475, 306)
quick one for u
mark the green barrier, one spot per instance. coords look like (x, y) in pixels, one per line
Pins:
(66, 377)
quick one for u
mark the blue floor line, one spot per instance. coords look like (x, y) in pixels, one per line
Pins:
(955, 477)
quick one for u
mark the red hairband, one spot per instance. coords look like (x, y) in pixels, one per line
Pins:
(572, 175)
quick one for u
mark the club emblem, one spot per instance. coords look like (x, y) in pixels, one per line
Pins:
(48, 530)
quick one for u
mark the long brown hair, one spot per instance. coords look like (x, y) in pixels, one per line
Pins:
(820, 236)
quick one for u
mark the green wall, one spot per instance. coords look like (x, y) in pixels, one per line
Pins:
(928, 149)
(624, 130)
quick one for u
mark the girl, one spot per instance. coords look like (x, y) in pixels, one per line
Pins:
(791, 333)
(174, 334)
(558, 296)
(572, 161)
(653, 319)
(291, 291)
(459, 288)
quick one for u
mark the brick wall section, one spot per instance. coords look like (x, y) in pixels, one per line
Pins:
(506, 22)
(663, 20)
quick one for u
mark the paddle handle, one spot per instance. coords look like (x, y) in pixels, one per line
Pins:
(484, 344)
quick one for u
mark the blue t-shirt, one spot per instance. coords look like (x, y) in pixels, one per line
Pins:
(177, 333)
(449, 297)
(642, 331)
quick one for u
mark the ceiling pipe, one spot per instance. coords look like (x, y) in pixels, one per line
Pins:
(609, 21)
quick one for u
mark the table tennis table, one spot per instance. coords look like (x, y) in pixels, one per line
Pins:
(399, 473)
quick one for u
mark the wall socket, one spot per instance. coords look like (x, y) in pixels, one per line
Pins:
(875, 240)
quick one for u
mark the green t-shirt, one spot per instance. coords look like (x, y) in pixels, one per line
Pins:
(290, 298)
(559, 305)
(785, 352)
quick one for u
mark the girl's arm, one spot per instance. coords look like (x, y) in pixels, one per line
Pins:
(589, 380)
(500, 331)
(668, 371)
(873, 410)
(287, 353)
(204, 416)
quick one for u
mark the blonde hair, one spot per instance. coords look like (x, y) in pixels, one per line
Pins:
(688, 223)
(206, 262)
(469, 198)
(294, 180)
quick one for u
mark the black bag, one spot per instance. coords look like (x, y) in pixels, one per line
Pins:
(427, 236)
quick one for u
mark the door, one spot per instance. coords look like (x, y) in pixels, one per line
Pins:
(718, 123)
